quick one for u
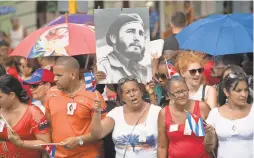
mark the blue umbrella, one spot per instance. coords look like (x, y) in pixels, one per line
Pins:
(219, 34)
(73, 18)
(6, 10)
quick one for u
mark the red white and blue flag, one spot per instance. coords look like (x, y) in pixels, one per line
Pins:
(171, 70)
(90, 81)
(112, 97)
(50, 150)
(195, 124)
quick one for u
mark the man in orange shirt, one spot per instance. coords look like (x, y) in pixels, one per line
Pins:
(70, 113)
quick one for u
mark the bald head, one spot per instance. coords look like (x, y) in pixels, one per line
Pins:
(66, 71)
(69, 63)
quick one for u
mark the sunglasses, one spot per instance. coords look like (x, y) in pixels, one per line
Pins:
(162, 76)
(129, 78)
(34, 86)
(194, 71)
(238, 75)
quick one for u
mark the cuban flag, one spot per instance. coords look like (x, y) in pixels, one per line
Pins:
(195, 124)
(171, 70)
(112, 97)
(50, 150)
(90, 81)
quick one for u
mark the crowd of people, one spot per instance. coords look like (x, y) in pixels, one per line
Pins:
(45, 100)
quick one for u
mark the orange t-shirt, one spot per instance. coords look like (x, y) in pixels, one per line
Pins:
(67, 125)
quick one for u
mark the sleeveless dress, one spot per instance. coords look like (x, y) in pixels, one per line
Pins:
(184, 146)
(32, 122)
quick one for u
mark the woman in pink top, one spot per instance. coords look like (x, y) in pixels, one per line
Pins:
(172, 142)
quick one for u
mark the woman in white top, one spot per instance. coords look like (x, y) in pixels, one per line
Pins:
(190, 66)
(134, 124)
(231, 125)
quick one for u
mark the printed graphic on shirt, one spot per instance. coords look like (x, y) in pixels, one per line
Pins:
(134, 143)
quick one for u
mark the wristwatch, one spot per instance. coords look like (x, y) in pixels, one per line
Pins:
(80, 141)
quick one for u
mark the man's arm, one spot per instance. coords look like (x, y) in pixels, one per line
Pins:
(156, 29)
(156, 26)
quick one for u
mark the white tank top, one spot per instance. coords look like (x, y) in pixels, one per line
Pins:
(16, 36)
(198, 94)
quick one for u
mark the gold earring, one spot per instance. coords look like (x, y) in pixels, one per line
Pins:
(172, 102)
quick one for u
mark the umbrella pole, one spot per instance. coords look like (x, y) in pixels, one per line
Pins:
(66, 17)
(87, 60)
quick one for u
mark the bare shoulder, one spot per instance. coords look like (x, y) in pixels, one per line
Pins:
(203, 104)
(162, 111)
(204, 109)
(211, 89)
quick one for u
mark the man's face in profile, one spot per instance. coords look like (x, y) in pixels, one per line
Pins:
(217, 69)
(131, 41)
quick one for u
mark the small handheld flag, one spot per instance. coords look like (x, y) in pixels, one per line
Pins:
(171, 70)
(50, 150)
(3, 123)
(196, 124)
(90, 81)
(112, 97)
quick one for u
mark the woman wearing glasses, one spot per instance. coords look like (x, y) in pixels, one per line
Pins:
(174, 140)
(28, 123)
(134, 124)
(231, 125)
(190, 66)
(157, 91)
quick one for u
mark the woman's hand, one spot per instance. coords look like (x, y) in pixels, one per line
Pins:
(14, 138)
(210, 133)
(98, 75)
(150, 87)
(97, 107)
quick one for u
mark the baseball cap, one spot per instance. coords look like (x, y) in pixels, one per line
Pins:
(40, 75)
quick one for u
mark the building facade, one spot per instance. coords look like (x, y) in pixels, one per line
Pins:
(34, 14)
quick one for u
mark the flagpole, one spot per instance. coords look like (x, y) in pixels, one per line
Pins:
(47, 144)
(95, 87)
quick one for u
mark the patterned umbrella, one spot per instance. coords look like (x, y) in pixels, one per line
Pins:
(58, 40)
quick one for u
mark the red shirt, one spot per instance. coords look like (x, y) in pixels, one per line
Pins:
(13, 72)
(184, 146)
(209, 80)
(32, 123)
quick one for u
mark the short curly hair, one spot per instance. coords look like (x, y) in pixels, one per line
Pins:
(186, 57)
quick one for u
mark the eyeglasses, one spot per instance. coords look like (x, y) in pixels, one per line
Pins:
(129, 78)
(194, 71)
(34, 86)
(178, 93)
(162, 76)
